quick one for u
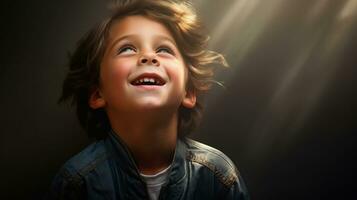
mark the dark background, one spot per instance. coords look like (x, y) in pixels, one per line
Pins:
(287, 117)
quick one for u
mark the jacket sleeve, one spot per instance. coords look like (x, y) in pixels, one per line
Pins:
(238, 191)
(66, 186)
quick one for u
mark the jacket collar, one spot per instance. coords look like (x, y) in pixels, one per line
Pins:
(126, 161)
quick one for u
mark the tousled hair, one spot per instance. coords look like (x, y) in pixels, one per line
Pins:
(84, 65)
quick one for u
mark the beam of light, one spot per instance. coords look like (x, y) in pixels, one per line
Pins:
(237, 15)
(239, 31)
(323, 29)
(317, 9)
(349, 10)
(325, 48)
(282, 102)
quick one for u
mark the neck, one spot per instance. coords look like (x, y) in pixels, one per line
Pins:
(150, 138)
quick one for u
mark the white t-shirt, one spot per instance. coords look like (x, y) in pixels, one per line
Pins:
(154, 182)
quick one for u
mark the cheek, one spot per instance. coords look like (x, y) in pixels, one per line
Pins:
(114, 76)
(118, 71)
(179, 76)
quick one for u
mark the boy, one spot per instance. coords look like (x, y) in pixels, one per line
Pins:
(134, 80)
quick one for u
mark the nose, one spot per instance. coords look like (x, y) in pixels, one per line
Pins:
(149, 60)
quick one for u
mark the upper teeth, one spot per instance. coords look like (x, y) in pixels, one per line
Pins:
(147, 80)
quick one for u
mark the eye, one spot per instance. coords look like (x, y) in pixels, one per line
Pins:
(127, 49)
(165, 50)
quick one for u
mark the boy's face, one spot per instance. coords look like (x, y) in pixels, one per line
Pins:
(142, 69)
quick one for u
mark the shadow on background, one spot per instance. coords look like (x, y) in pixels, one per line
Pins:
(287, 116)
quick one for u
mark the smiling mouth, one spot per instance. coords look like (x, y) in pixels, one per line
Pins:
(148, 79)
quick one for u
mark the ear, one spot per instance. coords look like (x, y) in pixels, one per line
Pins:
(189, 101)
(96, 100)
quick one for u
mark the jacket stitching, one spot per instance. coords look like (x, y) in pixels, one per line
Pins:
(76, 180)
(227, 180)
(214, 151)
(72, 179)
(93, 164)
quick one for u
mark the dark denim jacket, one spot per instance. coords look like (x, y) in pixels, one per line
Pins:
(106, 170)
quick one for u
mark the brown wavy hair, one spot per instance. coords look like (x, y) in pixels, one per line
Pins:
(84, 65)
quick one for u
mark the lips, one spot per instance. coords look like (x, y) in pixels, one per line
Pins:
(148, 79)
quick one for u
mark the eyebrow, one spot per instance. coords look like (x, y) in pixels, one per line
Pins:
(157, 37)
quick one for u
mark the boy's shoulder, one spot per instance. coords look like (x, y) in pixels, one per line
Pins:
(86, 160)
(73, 174)
(213, 159)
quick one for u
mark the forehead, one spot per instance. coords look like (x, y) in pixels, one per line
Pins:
(139, 25)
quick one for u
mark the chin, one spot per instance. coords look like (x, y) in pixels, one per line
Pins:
(149, 104)
(156, 106)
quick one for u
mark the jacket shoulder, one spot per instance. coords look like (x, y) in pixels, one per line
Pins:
(213, 159)
(86, 160)
(69, 181)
